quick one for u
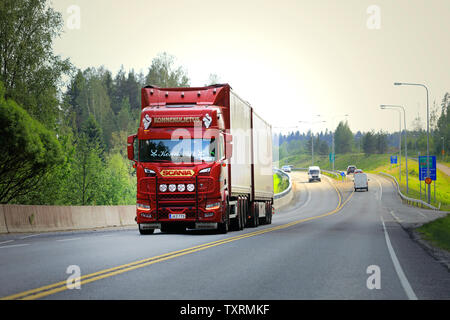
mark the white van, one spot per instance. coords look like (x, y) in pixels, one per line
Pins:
(314, 173)
(360, 181)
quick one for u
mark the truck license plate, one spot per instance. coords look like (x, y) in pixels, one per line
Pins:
(177, 216)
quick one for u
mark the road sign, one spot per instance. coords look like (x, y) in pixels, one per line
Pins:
(423, 167)
(332, 157)
(428, 180)
(393, 159)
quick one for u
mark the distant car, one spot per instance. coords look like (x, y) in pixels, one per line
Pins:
(286, 168)
(351, 169)
(314, 174)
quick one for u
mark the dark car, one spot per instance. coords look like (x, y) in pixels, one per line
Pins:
(351, 169)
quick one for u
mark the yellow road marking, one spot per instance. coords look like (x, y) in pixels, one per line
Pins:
(61, 286)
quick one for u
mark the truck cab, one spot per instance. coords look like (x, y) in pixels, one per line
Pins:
(182, 154)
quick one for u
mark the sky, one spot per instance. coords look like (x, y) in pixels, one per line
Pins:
(291, 60)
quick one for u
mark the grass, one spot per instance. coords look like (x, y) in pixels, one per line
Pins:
(341, 162)
(437, 232)
(280, 183)
(442, 183)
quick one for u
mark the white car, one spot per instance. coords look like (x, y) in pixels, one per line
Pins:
(314, 174)
(286, 168)
(360, 181)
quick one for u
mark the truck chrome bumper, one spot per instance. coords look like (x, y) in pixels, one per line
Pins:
(150, 225)
(205, 225)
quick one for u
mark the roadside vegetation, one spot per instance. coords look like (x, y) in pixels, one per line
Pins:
(442, 183)
(280, 182)
(437, 232)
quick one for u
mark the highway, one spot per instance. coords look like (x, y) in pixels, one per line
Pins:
(325, 245)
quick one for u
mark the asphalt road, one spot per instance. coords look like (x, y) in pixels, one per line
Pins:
(326, 245)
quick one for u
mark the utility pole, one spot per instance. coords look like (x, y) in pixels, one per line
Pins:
(428, 130)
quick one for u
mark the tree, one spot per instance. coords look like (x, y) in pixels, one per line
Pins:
(31, 73)
(343, 138)
(369, 143)
(381, 142)
(443, 126)
(28, 151)
(162, 73)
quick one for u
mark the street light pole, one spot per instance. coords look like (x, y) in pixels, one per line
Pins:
(312, 139)
(406, 138)
(428, 130)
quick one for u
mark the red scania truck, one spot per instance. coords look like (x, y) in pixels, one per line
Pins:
(203, 160)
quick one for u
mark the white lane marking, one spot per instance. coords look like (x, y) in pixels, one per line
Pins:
(395, 217)
(15, 245)
(68, 239)
(398, 268)
(381, 188)
(33, 235)
(308, 199)
(6, 241)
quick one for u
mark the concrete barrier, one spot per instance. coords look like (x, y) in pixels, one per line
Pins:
(33, 218)
(3, 227)
(283, 201)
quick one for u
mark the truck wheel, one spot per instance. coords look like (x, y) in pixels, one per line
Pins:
(145, 231)
(269, 214)
(222, 227)
(236, 223)
(256, 217)
(241, 214)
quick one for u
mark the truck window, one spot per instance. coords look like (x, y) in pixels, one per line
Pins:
(184, 150)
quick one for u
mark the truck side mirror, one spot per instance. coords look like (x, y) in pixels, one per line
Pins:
(130, 147)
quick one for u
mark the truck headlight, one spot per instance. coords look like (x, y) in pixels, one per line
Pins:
(172, 187)
(163, 187)
(205, 171)
(212, 206)
(142, 206)
(181, 187)
(190, 187)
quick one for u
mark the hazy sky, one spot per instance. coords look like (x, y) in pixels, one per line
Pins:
(290, 59)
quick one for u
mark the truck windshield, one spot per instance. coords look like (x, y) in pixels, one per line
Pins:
(314, 172)
(186, 150)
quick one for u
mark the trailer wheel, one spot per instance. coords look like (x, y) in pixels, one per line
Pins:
(145, 231)
(241, 214)
(268, 213)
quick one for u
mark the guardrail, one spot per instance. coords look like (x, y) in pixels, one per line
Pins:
(337, 173)
(408, 199)
(288, 189)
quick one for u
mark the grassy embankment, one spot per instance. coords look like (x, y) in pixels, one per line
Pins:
(437, 231)
(280, 183)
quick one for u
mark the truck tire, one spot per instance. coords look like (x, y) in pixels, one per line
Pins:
(268, 213)
(236, 223)
(242, 214)
(222, 227)
(145, 231)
